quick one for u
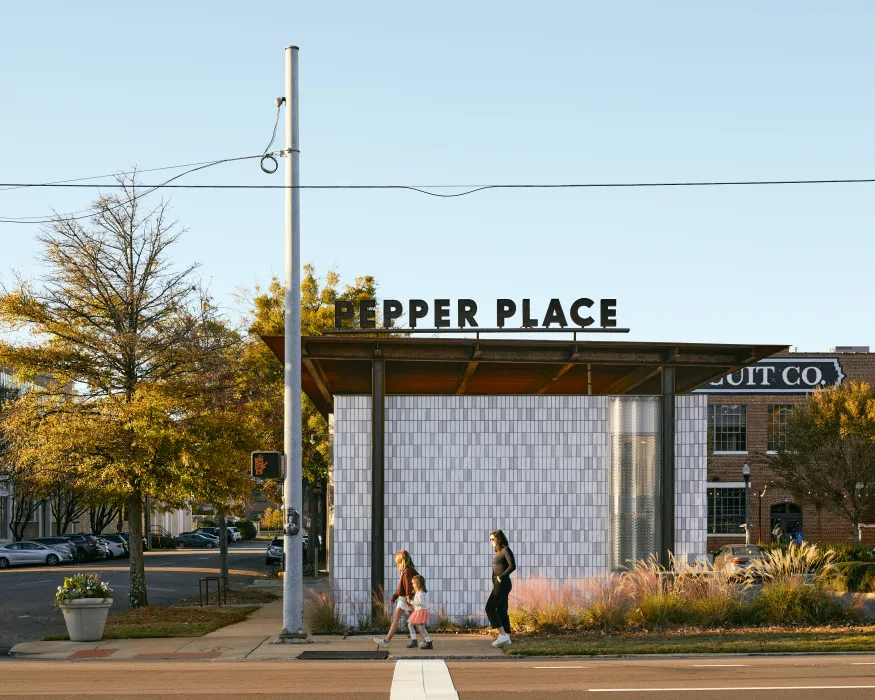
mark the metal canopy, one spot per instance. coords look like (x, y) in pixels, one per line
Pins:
(423, 366)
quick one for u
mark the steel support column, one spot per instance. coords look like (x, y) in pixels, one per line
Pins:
(378, 414)
(667, 519)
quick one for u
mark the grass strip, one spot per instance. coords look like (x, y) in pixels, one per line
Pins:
(822, 640)
(157, 621)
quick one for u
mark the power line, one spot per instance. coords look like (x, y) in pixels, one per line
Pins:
(422, 189)
(97, 177)
(85, 213)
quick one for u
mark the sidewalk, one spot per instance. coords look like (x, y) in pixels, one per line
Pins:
(253, 640)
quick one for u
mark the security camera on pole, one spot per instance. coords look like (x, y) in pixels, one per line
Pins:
(293, 589)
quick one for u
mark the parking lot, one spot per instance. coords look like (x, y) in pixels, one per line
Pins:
(27, 592)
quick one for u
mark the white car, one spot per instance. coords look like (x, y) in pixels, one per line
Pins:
(236, 535)
(32, 553)
(113, 549)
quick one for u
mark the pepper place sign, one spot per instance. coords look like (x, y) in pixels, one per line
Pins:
(583, 313)
(780, 375)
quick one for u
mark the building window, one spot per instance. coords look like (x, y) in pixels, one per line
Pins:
(778, 426)
(725, 510)
(727, 427)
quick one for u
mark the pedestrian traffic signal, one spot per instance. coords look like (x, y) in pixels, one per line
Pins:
(267, 465)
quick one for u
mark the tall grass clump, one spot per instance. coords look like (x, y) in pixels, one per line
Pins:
(544, 606)
(795, 586)
(324, 617)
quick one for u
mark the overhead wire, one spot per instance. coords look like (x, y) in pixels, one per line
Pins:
(86, 213)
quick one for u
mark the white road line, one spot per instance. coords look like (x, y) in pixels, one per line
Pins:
(863, 663)
(734, 688)
(721, 665)
(32, 583)
(563, 666)
(428, 679)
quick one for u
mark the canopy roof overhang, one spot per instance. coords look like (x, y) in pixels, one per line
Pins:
(336, 364)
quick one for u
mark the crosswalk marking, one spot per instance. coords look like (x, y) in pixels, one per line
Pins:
(428, 679)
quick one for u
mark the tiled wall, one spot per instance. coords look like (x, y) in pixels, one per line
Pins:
(351, 543)
(458, 467)
(691, 456)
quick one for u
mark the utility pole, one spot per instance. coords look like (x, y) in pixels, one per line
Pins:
(293, 585)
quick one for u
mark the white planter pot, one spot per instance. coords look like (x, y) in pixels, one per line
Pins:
(85, 618)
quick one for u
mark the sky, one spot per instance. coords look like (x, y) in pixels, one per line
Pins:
(462, 93)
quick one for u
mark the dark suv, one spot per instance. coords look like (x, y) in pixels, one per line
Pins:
(87, 546)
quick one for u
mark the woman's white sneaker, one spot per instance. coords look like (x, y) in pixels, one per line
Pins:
(501, 640)
(381, 642)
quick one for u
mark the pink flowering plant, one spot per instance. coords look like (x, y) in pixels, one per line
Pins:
(82, 586)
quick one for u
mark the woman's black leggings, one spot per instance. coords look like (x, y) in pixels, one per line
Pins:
(496, 606)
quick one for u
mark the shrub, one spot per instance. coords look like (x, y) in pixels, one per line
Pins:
(208, 523)
(719, 611)
(247, 529)
(796, 602)
(854, 576)
(324, 618)
(660, 610)
(843, 551)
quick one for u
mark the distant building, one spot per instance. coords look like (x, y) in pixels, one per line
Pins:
(41, 523)
(747, 415)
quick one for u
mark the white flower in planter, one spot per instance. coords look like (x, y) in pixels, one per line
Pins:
(85, 601)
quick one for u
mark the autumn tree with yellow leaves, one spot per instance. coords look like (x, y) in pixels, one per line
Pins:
(113, 334)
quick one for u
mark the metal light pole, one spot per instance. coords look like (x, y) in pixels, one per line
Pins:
(745, 472)
(293, 589)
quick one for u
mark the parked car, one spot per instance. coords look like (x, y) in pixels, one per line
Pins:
(214, 532)
(32, 553)
(196, 539)
(236, 535)
(59, 542)
(88, 546)
(274, 551)
(120, 540)
(113, 549)
(276, 554)
(734, 559)
(126, 536)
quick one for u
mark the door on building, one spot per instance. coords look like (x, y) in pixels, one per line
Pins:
(786, 521)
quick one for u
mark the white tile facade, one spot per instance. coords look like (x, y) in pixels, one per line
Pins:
(458, 467)
(351, 533)
(691, 472)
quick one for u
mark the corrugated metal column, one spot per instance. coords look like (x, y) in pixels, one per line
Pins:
(667, 519)
(378, 415)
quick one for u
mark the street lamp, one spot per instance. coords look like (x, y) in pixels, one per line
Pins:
(745, 472)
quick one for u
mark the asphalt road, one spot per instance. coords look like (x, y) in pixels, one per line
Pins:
(754, 678)
(27, 592)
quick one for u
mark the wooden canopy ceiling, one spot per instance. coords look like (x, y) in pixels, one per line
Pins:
(339, 364)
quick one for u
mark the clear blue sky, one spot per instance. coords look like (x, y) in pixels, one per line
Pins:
(476, 93)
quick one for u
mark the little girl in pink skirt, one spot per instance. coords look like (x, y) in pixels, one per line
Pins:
(419, 616)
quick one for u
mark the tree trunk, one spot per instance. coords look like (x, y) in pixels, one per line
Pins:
(138, 597)
(23, 510)
(223, 544)
(856, 531)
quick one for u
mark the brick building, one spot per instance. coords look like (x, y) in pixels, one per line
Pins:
(746, 420)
